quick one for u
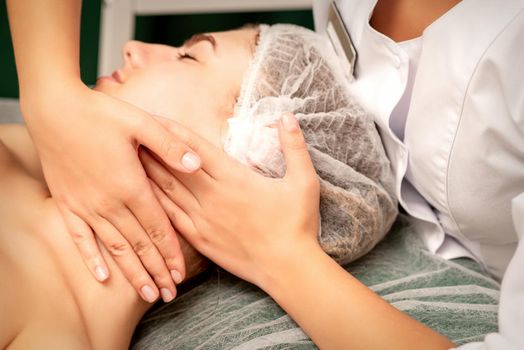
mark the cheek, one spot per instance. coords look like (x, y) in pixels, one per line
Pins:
(196, 109)
(187, 96)
(148, 92)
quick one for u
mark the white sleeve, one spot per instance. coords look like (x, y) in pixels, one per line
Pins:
(511, 305)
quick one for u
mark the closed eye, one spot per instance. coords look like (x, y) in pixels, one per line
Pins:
(184, 55)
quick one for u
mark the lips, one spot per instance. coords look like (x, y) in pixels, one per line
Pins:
(115, 77)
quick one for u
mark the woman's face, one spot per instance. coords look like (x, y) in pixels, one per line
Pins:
(196, 84)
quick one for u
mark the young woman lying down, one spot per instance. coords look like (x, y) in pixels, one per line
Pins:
(231, 88)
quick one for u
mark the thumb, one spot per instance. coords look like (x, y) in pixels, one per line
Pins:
(167, 147)
(296, 154)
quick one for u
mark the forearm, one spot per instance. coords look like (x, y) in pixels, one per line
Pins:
(46, 37)
(338, 312)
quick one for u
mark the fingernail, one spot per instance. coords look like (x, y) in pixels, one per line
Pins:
(290, 122)
(190, 161)
(101, 273)
(177, 277)
(167, 296)
(148, 293)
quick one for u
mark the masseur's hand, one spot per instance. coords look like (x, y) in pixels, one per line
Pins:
(88, 144)
(245, 222)
(265, 231)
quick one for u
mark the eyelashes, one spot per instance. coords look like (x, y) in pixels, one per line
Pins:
(185, 55)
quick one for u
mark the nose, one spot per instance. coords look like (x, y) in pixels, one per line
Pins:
(134, 53)
(138, 54)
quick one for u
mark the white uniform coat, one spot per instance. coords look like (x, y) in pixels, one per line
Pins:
(460, 167)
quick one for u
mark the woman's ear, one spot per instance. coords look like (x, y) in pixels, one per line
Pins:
(228, 109)
(225, 112)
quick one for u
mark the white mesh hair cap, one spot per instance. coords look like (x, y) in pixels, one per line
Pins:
(295, 70)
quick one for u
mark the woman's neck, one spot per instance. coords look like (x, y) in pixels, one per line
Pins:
(111, 310)
(402, 20)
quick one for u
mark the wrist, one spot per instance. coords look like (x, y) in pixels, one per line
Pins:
(285, 266)
(43, 97)
(44, 94)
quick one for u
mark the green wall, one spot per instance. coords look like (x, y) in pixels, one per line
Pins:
(88, 48)
(171, 30)
(8, 81)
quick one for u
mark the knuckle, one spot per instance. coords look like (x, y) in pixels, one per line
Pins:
(106, 205)
(157, 234)
(78, 236)
(171, 262)
(86, 247)
(141, 247)
(91, 256)
(118, 249)
(89, 214)
(169, 147)
(169, 185)
(135, 194)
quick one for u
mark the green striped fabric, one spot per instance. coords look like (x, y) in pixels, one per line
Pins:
(220, 311)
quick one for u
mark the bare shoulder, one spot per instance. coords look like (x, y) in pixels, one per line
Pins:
(15, 184)
(16, 144)
(20, 168)
(36, 307)
(9, 297)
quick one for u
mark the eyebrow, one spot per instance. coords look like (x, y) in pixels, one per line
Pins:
(198, 38)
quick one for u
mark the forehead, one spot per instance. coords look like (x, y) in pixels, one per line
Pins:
(245, 38)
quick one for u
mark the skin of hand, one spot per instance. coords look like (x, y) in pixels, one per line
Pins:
(292, 202)
(91, 167)
(265, 231)
(88, 144)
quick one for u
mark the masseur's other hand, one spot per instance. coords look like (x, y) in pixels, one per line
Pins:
(245, 222)
(88, 144)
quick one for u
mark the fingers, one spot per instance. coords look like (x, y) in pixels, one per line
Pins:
(126, 259)
(177, 216)
(215, 161)
(169, 184)
(197, 183)
(168, 147)
(86, 243)
(161, 234)
(299, 166)
(146, 250)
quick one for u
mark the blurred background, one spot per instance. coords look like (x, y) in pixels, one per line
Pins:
(166, 29)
